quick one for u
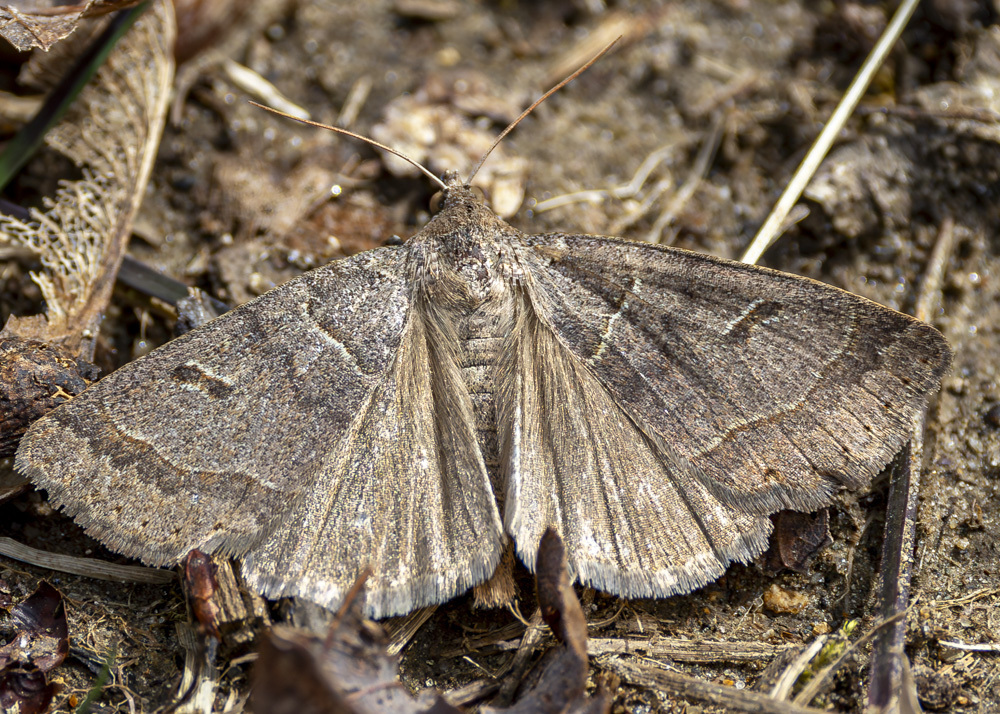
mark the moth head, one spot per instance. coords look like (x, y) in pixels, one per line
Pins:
(454, 185)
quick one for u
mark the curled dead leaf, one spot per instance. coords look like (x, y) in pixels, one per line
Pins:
(112, 132)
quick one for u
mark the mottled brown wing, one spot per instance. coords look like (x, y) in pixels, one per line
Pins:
(633, 523)
(226, 438)
(408, 496)
(769, 389)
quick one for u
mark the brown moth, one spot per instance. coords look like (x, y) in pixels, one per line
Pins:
(410, 408)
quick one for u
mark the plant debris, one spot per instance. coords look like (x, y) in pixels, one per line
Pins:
(38, 644)
(351, 671)
(43, 23)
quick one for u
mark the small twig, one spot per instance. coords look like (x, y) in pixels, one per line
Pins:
(965, 599)
(729, 699)
(522, 660)
(678, 650)
(625, 190)
(970, 648)
(356, 99)
(403, 630)
(200, 681)
(472, 692)
(699, 169)
(494, 638)
(783, 687)
(887, 664)
(353, 593)
(88, 567)
(930, 289)
(255, 85)
(894, 588)
(769, 232)
(139, 276)
(816, 684)
(973, 114)
(852, 546)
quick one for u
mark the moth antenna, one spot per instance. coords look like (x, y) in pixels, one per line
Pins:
(365, 139)
(526, 112)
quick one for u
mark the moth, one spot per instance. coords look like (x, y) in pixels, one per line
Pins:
(412, 408)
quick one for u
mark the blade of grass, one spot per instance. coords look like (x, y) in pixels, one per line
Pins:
(102, 680)
(26, 142)
(769, 232)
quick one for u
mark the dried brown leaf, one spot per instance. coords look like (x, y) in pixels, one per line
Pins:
(350, 673)
(112, 132)
(25, 690)
(43, 23)
(41, 631)
(200, 587)
(797, 538)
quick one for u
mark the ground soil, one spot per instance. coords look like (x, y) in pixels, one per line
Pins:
(758, 80)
